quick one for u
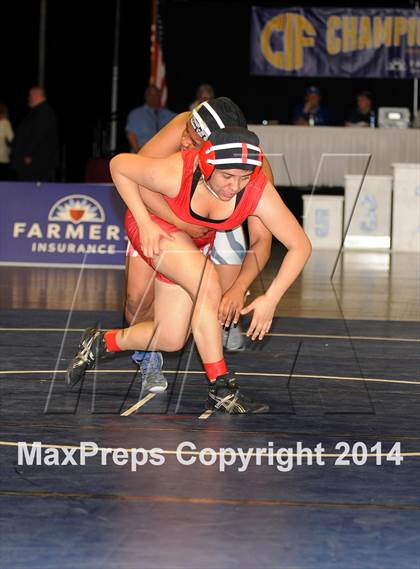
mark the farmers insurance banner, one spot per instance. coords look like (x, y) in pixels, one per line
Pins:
(64, 224)
(338, 42)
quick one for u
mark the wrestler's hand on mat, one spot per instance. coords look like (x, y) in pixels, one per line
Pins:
(231, 305)
(262, 318)
(150, 236)
(192, 230)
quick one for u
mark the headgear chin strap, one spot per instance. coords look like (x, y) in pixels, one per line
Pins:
(231, 148)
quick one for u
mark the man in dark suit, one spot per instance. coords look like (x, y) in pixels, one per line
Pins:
(35, 151)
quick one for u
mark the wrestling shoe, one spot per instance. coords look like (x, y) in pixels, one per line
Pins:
(233, 339)
(91, 349)
(224, 396)
(150, 367)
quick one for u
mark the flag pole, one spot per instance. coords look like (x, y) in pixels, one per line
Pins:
(114, 92)
(157, 61)
(153, 50)
(415, 84)
(41, 45)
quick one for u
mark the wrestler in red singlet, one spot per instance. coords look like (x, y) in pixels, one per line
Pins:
(246, 202)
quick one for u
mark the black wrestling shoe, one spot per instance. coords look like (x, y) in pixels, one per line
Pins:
(91, 349)
(224, 396)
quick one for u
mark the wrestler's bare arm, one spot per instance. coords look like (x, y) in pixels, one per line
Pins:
(162, 145)
(255, 260)
(161, 175)
(284, 226)
(279, 220)
(260, 239)
(167, 140)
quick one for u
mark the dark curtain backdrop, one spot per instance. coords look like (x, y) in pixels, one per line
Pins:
(205, 41)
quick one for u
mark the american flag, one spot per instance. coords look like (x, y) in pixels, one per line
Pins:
(157, 68)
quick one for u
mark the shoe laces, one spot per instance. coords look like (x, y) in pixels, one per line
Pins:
(86, 354)
(227, 381)
(151, 364)
(230, 382)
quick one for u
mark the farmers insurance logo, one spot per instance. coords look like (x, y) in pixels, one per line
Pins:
(76, 225)
(77, 208)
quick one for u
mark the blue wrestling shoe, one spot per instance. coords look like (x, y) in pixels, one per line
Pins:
(150, 367)
(233, 339)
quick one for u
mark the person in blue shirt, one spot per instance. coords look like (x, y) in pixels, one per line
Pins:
(145, 121)
(311, 112)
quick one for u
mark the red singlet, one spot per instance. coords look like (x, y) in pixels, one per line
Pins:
(180, 205)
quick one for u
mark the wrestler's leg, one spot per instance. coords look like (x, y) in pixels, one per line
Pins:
(227, 275)
(140, 290)
(181, 262)
(170, 328)
(228, 253)
(139, 304)
(184, 264)
(199, 290)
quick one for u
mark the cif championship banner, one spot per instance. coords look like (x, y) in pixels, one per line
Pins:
(61, 224)
(335, 42)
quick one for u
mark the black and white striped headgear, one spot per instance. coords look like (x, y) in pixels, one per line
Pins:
(215, 114)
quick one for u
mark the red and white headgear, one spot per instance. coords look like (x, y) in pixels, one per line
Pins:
(229, 148)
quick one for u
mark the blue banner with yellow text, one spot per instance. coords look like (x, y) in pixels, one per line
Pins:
(335, 42)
